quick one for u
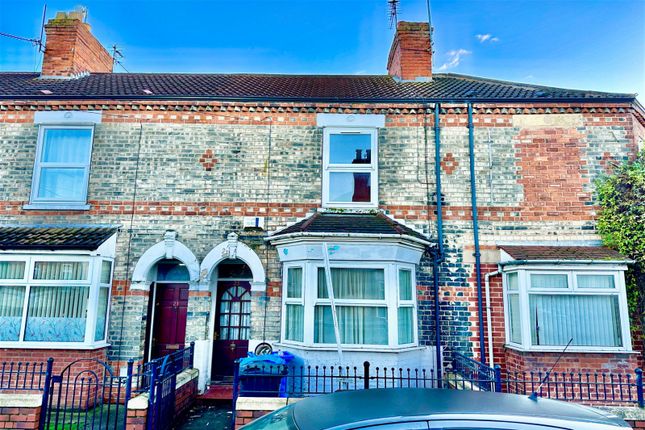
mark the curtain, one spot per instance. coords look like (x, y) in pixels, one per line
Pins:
(101, 314)
(295, 322)
(66, 145)
(596, 281)
(358, 325)
(365, 284)
(514, 318)
(294, 282)
(405, 285)
(557, 318)
(11, 300)
(57, 314)
(12, 269)
(549, 280)
(61, 270)
(406, 329)
(106, 271)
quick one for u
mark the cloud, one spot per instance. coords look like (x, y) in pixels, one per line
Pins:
(483, 38)
(454, 58)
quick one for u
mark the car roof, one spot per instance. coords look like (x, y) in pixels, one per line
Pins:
(379, 405)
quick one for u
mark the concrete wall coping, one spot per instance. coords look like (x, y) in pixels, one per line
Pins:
(263, 403)
(626, 412)
(21, 400)
(141, 401)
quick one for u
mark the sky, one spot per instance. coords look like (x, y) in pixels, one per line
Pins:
(582, 44)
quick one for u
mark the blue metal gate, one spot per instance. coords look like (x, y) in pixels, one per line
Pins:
(161, 398)
(87, 395)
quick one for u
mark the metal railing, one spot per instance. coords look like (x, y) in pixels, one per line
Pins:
(469, 370)
(24, 376)
(173, 363)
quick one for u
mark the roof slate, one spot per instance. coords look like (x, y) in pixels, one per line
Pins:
(329, 88)
(53, 238)
(563, 253)
(376, 224)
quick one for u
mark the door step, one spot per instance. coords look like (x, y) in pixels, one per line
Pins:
(218, 391)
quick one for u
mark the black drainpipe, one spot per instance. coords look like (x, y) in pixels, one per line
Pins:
(473, 199)
(438, 256)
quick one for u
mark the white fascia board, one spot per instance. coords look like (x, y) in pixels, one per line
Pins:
(68, 117)
(350, 120)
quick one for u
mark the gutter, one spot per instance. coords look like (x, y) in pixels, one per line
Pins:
(358, 235)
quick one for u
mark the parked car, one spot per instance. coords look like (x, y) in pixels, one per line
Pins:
(413, 408)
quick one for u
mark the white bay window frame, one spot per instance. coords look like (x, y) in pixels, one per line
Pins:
(93, 283)
(525, 291)
(391, 301)
(330, 168)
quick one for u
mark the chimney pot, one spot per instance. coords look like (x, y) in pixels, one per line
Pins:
(410, 56)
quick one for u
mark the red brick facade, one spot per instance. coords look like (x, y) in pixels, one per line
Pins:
(62, 357)
(26, 418)
(411, 54)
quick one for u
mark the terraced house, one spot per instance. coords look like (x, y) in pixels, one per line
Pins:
(399, 218)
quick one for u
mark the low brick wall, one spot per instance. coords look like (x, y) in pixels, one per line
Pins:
(62, 358)
(185, 394)
(249, 408)
(20, 411)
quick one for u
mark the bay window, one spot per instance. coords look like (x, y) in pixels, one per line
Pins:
(375, 305)
(50, 300)
(545, 309)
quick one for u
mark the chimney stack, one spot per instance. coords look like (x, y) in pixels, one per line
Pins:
(72, 49)
(410, 56)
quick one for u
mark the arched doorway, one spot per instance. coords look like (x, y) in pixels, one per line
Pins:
(167, 308)
(232, 317)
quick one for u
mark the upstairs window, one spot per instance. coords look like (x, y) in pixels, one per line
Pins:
(62, 166)
(350, 167)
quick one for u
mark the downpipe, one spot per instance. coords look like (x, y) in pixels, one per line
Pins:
(439, 255)
(489, 318)
(473, 200)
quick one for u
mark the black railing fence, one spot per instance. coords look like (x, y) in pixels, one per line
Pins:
(465, 373)
(24, 376)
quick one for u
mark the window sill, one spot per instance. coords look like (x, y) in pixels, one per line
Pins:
(571, 349)
(53, 345)
(355, 348)
(56, 207)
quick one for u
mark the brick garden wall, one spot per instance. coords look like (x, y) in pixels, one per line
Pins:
(203, 166)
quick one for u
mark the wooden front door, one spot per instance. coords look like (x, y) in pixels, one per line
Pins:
(232, 326)
(171, 308)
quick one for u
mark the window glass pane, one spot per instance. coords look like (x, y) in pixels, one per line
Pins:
(514, 318)
(106, 271)
(294, 282)
(172, 270)
(11, 303)
(350, 148)
(405, 285)
(406, 330)
(61, 184)
(367, 284)
(101, 314)
(596, 281)
(61, 270)
(347, 187)
(66, 145)
(512, 281)
(294, 325)
(549, 280)
(557, 318)
(57, 314)
(12, 269)
(358, 325)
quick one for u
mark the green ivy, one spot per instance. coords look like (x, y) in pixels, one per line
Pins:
(621, 223)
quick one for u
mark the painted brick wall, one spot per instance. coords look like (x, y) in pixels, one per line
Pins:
(202, 170)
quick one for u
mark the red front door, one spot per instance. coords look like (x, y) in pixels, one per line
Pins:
(232, 326)
(171, 307)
